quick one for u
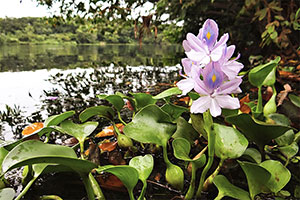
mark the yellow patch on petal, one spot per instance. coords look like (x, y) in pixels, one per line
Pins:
(214, 78)
(208, 35)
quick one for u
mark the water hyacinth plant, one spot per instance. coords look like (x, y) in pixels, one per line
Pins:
(200, 137)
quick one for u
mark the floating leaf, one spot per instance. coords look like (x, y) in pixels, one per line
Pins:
(173, 110)
(257, 177)
(185, 130)
(229, 142)
(56, 119)
(102, 111)
(151, 125)
(115, 100)
(295, 100)
(259, 132)
(227, 189)
(280, 175)
(143, 99)
(143, 164)
(168, 92)
(33, 152)
(7, 193)
(252, 155)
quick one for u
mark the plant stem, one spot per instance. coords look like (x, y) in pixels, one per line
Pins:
(26, 188)
(81, 149)
(141, 197)
(130, 192)
(165, 155)
(213, 175)
(190, 193)
(97, 190)
(88, 186)
(259, 107)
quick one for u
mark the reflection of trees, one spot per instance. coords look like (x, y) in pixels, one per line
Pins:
(32, 57)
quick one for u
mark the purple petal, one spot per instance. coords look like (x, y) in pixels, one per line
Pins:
(210, 32)
(198, 56)
(186, 85)
(213, 76)
(222, 41)
(232, 68)
(186, 45)
(215, 109)
(201, 104)
(217, 53)
(194, 42)
(229, 87)
(187, 65)
(226, 101)
(229, 52)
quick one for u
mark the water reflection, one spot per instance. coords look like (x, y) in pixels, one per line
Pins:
(34, 57)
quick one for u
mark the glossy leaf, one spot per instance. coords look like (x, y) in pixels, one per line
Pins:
(3, 153)
(227, 189)
(252, 155)
(102, 111)
(280, 175)
(7, 193)
(151, 125)
(175, 176)
(131, 100)
(143, 99)
(229, 142)
(33, 152)
(257, 177)
(182, 150)
(185, 130)
(79, 131)
(168, 92)
(198, 124)
(279, 119)
(173, 110)
(259, 75)
(115, 100)
(143, 164)
(259, 132)
(286, 139)
(295, 100)
(289, 151)
(57, 119)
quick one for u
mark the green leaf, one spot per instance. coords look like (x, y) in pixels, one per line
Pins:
(295, 100)
(229, 142)
(280, 175)
(257, 177)
(259, 75)
(182, 150)
(143, 164)
(33, 152)
(102, 111)
(57, 119)
(227, 189)
(289, 151)
(258, 132)
(286, 139)
(79, 131)
(3, 153)
(280, 119)
(168, 92)
(175, 176)
(115, 100)
(143, 99)
(252, 155)
(173, 110)
(151, 125)
(185, 130)
(131, 100)
(7, 193)
(127, 174)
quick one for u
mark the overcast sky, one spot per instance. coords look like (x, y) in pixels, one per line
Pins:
(28, 8)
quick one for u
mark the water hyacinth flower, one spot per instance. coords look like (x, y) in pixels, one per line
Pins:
(210, 71)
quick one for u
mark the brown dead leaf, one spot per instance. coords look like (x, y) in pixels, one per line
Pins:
(116, 158)
(157, 177)
(108, 145)
(109, 131)
(245, 108)
(186, 100)
(111, 182)
(283, 94)
(32, 128)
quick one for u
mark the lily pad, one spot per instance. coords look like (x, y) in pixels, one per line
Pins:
(280, 175)
(168, 92)
(257, 177)
(259, 132)
(114, 99)
(33, 152)
(7, 193)
(102, 111)
(227, 189)
(151, 125)
(229, 142)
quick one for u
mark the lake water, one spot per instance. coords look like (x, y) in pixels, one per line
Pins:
(24, 69)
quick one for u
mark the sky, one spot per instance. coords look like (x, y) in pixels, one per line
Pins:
(28, 8)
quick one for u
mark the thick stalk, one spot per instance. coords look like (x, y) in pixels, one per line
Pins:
(165, 155)
(81, 149)
(259, 107)
(213, 175)
(190, 193)
(26, 188)
(88, 186)
(120, 118)
(97, 190)
(141, 197)
(130, 192)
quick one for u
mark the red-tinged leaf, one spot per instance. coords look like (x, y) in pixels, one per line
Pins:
(108, 146)
(32, 128)
(111, 182)
(157, 177)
